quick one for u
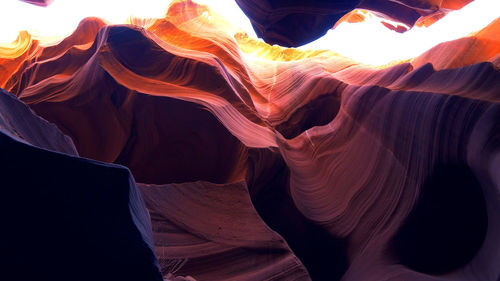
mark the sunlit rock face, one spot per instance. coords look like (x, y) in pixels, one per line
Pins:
(295, 23)
(260, 162)
(482, 46)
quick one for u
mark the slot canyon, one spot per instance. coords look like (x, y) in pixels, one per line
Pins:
(185, 145)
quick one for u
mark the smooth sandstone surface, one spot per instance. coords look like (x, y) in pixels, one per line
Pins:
(260, 162)
(212, 232)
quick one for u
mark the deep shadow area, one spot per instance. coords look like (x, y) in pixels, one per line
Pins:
(68, 218)
(322, 254)
(318, 112)
(447, 226)
(173, 140)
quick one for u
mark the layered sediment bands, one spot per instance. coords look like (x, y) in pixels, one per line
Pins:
(81, 39)
(13, 55)
(369, 208)
(212, 232)
(362, 171)
(295, 23)
(144, 132)
(324, 255)
(61, 213)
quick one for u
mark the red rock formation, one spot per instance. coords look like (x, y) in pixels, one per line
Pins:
(200, 226)
(359, 173)
(480, 47)
(14, 55)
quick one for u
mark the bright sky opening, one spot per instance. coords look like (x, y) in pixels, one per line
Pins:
(368, 42)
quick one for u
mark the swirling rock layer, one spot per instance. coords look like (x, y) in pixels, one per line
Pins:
(198, 224)
(293, 165)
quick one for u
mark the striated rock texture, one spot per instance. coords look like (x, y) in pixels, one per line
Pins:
(213, 232)
(295, 23)
(259, 162)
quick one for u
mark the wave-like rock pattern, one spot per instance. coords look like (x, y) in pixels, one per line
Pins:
(214, 233)
(355, 173)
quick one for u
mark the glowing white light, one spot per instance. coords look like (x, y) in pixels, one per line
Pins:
(368, 42)
(231, 12)
(62, 17)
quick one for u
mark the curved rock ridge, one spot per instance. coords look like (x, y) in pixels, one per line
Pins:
(212, 232)
(12, 56)
(355, 173)
(295, 23)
